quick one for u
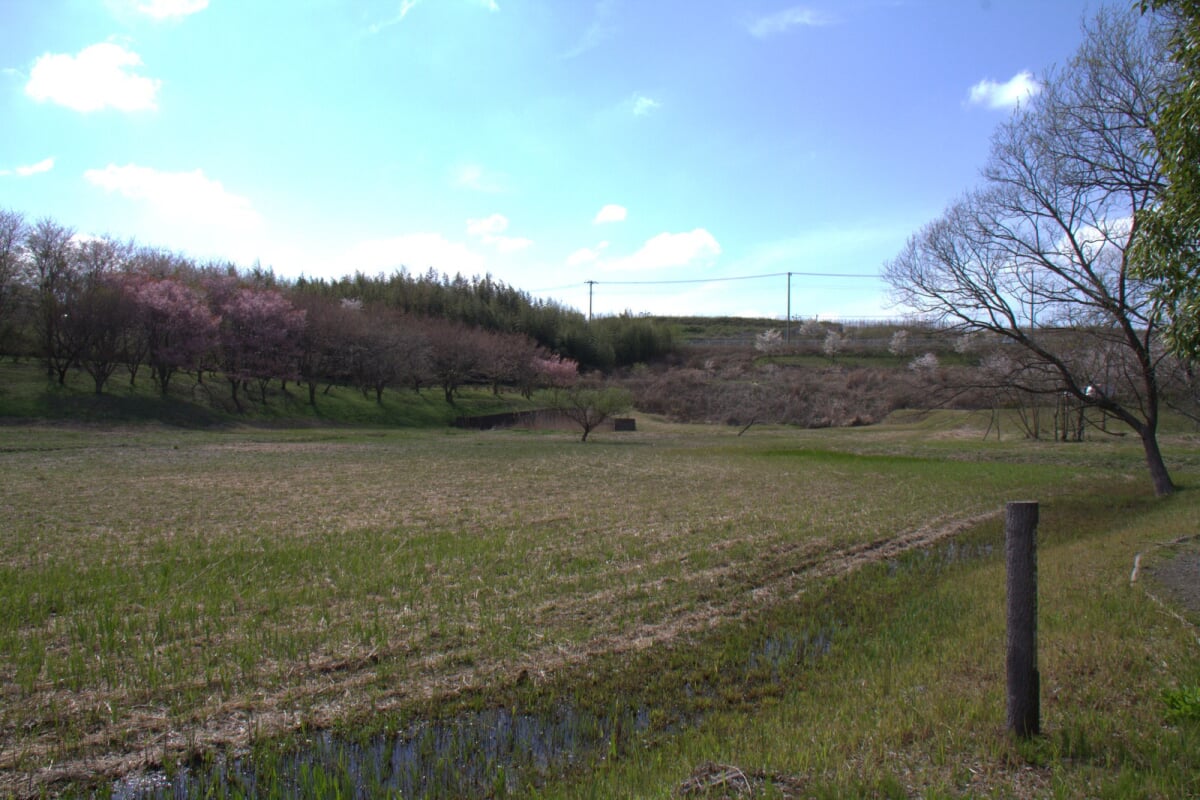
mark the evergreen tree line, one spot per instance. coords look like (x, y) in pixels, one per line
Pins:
(491, 305)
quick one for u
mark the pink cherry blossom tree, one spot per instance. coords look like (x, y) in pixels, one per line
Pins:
(178, 328)
(259, 337)
(554, 371)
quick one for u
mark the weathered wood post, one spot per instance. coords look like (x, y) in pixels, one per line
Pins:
(1020, 550)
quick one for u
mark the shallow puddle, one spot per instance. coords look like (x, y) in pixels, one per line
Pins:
(483, 753)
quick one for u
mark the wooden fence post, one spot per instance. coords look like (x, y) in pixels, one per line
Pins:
(1020, 550)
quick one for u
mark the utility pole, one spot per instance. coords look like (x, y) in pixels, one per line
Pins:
(590, 285)
(1021, 662)
(787, 338)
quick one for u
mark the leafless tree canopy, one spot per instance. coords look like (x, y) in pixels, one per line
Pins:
(1038, 255)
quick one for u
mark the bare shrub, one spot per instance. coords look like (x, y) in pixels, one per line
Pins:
(796, 396)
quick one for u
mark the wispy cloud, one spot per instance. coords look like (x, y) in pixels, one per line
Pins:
(100, 76)
(402, 12)
(783, 21)
(45, 165)
(168, 9)
(666, 250)
(408, 5)
(610, 213)
(1011, 93)
(487, 226)
(642, 105)
(490, 231)
(586, 255)
(600, 29)
(182, 196)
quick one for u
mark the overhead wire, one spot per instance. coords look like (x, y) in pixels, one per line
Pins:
(711, 280)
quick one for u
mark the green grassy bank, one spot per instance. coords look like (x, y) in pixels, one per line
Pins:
(27, 394)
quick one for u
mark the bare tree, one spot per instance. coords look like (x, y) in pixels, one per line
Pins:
(324, 340)
(51, 272)
(455, 353)
(13, 232)
(1039, 256)
(99, 312)
(378, 349)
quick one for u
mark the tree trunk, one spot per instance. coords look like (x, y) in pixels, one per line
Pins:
(233, 388)
(1163, 485)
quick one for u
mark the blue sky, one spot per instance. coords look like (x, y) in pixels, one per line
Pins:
(663, 149)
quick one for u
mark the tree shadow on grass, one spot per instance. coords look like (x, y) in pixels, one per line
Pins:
(115, 408)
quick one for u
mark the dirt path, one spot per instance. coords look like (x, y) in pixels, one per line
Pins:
(1178, 577)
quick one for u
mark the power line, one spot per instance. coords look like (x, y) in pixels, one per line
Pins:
(711, 280)
(737, 278)
(555, 288)
(687, 280)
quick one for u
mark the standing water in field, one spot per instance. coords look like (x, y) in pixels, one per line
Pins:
(488, 752)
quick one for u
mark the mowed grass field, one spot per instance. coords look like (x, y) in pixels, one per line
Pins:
(168, 592)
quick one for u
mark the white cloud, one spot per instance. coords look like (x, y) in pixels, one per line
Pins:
(99, 77)
(1013, 92)
(45, 165)
(671, 250)
(416, 252)
(489, 229)
(610, 213)
(643, 105)
(179, 196)
(586, 255)
(495, 224)
(166, 9)
(783, 21)
(405, 7)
